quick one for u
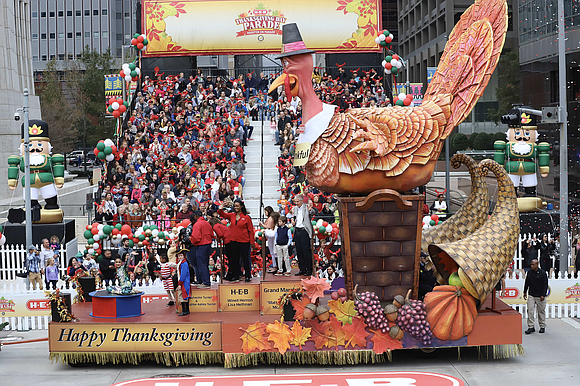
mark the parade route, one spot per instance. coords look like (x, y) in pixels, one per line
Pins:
(551, 358)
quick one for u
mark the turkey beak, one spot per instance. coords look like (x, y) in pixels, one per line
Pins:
(281, 81)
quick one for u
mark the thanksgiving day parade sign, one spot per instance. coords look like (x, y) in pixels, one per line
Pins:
(192, 27)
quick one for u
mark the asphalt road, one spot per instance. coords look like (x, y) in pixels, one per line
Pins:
(551, 359)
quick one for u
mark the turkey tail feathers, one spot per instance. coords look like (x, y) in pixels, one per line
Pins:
(470, 58)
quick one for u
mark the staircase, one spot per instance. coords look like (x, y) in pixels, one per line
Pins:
(252, 173)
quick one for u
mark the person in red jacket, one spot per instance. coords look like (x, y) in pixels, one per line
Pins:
(201, 237)
(224, 234)
(242, 231)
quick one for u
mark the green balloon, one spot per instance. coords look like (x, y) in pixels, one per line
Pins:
(107, 229)
(110, 109)
(432, 222)
(313, 223)
(394, 70)
(153, 227)
(388, 58)
(108, 150)
(1, 229)
(101, 155)
(133, 74)
(161, 235)
(146, 228)
(145, 42)
(135, 36)
(141, 237)
(322, 229)
(383, 43)
(118, 226)
(400, 103)
(259, 242)
(151, 238)
(99, 258)
(386, 32)
(88, 234)
(132, 66)
(126, 104)
(101, 146)
(90, 240)
(260, 234)
(131, 243)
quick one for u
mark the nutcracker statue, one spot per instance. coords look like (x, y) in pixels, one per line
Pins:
(46, 171)
(520, 154)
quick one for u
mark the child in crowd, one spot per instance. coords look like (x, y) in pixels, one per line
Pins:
(55, 244)
(89, 262)
(51, 273)
(282, 240)
(167, 271)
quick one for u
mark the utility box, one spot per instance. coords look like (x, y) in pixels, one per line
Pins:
(550, 115)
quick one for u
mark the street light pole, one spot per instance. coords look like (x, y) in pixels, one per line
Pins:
(563, 116)
(26, 144)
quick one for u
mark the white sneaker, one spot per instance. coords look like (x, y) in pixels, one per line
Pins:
(279, 273)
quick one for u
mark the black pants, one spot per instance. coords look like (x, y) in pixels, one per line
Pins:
(239, 251)
(303, 250)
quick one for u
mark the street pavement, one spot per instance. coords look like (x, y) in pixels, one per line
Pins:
(551, 359)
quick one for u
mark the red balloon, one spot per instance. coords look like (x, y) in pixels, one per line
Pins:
(87, 227)
(116, 231)
(146, 242)
(388, 66)
(134, 42)
(186, 222)
(96, 151)
(321, 236)
(434, 217)
(122, 73)
(114, 148)
(116, 113)
(395, 99)
(120, 101)
(135, 240)
(95, 230)
(135, 79)
(334, 225)
(388, 39)
(126, 229)
(407, 101)
(140, 46)
(395, 56)
(122, 108)
(325, 224)
(140, 39)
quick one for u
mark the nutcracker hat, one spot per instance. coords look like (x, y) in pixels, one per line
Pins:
(529, 121)
(37, 130)
(292, 43)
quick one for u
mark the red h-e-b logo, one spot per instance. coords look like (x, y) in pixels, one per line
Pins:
(511, 293)
(37, 304)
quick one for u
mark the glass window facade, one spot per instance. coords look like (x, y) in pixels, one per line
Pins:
(539, 18)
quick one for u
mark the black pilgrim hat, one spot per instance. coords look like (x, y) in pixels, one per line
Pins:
(292, 43)
(37, 130)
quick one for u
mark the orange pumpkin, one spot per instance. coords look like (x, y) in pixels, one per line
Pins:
(451, 312)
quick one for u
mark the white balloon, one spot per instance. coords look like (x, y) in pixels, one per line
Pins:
(399, 64)
(377, 40)
(115, 105)
(329, 229)
(96, 237)
(137, 70)
(383, 63)
(100, 227)
(144, 48)
(3, 240)
(155, 232)
(144, 36)
(382, 37)
(392, 36)
(125, 66)
(426, 226)
(387, 71)
(109, 158)
(156, 239)
(91, 251)
(96, 246)
(402, 95)
(128, 78)
(109, 142)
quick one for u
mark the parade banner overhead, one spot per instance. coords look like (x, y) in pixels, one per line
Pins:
(215, 27)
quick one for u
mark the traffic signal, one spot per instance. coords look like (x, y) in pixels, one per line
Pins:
(512, 118)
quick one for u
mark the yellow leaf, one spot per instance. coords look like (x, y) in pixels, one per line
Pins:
(253, 338)
(343, 311)
(281, 335)
(301, 334)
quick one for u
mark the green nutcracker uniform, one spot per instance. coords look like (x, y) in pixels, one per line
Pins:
(521, 165)
(45, 170)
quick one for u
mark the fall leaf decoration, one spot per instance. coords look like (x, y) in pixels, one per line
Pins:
(280, 334)
(383, 342)
(355, 333)
(343, 311)
(299, 305)
(300, 333)
(327, 334)
(253, 338)
(314, 287)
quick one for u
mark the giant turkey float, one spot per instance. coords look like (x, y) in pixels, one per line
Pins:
(371, 157)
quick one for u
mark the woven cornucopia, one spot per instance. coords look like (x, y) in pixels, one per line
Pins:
(472, 214)
(483, 257)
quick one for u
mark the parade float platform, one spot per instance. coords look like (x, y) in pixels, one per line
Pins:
(108, 305)
(228, 320)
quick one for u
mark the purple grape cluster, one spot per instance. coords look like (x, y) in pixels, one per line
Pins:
(369, 307)
(413, 319)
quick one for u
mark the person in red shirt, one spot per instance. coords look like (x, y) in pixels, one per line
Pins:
(201, 237)
(224, 234)
(242, 231)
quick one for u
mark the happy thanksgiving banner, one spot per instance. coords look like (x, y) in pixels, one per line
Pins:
(195, 27)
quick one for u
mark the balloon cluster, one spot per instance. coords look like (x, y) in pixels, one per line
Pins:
(322, 229)
(392, 64)
(403, 99)
(2, 237)
(139, 42)
(429, 221)
(117, 107)
(148, 234)
(105, 150)
(130, 72)
(384, 38)
(96, 233)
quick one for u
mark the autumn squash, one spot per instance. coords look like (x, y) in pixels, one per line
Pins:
(451, 312)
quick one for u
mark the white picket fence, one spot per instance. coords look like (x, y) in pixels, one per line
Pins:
(553, 311)
(12, 260)
(519, 260)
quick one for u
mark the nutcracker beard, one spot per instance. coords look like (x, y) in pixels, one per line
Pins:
(522, 148)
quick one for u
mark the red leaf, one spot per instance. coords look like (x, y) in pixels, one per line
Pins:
(177, 15)
(383, 342)
(326, 334)
(181, 10)
(355, 333)
(342, 2)
(299, 305)
(341, 7)
(314, 287)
